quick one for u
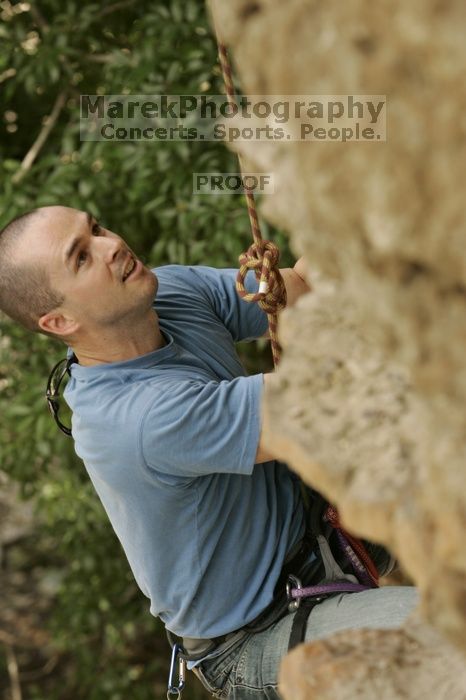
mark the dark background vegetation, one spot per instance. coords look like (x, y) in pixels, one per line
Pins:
(73, 624)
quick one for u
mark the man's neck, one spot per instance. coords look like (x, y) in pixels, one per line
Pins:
(117, 344)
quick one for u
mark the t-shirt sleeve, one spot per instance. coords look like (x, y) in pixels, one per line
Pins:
(192, 428)
(245, 320)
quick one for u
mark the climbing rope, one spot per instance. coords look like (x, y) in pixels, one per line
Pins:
(263, 255)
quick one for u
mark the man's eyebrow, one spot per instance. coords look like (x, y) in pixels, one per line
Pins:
(77, 240)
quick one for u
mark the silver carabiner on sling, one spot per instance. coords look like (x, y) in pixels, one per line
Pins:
(293, 581)
(174, 691)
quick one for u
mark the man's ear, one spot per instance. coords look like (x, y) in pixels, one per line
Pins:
(58, 323)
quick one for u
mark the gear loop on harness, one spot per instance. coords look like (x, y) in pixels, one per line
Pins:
(362, 564)
(293, 581)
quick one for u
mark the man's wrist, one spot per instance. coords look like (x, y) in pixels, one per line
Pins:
(300, 268)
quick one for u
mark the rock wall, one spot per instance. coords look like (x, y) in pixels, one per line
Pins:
(407, 664)
(368, 402)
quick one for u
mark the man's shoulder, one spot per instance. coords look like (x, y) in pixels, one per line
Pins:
(179, 280)
(108, 415)
(193, 287)
(200, 276)
(175, 272)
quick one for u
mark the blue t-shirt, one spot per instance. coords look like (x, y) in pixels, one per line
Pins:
(169, 440)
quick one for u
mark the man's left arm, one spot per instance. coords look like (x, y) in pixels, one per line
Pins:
(295, 284)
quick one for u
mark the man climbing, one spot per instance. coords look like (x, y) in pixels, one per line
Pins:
(168, 425)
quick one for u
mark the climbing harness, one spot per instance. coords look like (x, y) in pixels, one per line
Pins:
(344, 570)
(302, 600)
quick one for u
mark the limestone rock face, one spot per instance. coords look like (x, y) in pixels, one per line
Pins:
(387, 665)
(368, 403)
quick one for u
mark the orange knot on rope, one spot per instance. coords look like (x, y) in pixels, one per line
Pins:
(263, 257)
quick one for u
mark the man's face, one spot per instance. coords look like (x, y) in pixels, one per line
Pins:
(101, 279)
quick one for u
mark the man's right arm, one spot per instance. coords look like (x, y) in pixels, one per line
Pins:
(262, 455)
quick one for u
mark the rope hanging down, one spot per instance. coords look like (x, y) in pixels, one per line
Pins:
(263, 255)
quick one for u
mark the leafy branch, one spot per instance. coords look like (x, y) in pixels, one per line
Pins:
(41, 139)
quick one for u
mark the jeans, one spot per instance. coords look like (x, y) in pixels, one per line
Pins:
(249, 671)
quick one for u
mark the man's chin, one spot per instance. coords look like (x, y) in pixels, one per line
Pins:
(155, 281)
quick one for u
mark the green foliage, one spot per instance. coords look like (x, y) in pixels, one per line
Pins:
(144, 192)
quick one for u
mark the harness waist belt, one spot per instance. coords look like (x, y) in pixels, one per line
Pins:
(197, 649)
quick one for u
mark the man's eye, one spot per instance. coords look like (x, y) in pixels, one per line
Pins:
(81, 259)
(96, 229)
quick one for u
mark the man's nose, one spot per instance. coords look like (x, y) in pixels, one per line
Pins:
(111, 248)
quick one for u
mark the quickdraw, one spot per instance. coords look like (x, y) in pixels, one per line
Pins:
(175, 691)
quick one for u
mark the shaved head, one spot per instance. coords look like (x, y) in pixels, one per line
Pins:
(25, 290)
(65, 275)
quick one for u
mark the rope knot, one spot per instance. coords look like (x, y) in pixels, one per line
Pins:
(263, 257)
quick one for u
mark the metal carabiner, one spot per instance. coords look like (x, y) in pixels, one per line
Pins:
(293, 604)
(174, 691)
